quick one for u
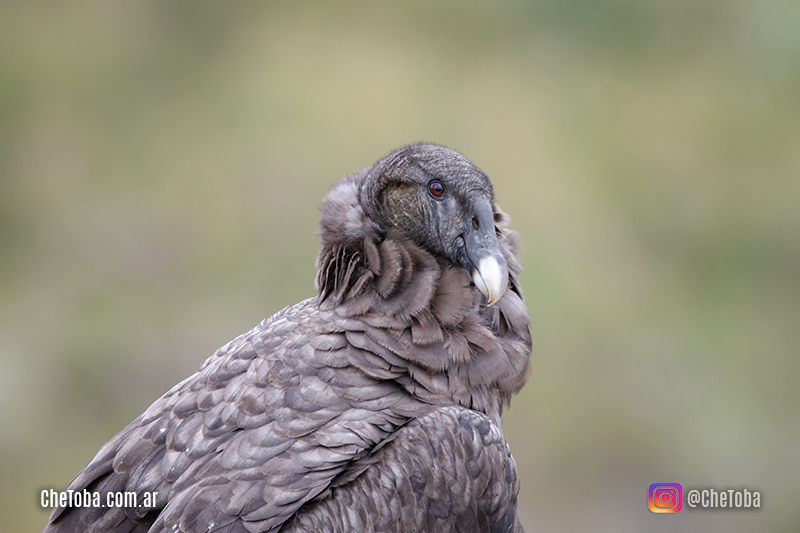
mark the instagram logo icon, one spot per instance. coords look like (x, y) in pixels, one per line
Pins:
(665, 497)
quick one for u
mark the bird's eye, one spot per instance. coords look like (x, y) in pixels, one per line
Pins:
(436, 189)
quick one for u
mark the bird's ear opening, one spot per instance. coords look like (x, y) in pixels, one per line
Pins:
(399, 207)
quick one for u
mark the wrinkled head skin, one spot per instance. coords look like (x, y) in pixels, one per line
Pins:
(416, 242)
(443, 203)
(375, 403)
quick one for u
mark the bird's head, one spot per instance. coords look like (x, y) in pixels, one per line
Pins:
(443, 203)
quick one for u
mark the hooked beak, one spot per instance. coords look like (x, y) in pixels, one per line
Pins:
(490, 278)
(484, 259)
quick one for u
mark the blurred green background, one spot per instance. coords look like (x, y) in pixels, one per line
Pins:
(162, 164)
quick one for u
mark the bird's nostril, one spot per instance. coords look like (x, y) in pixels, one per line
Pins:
(475, 223)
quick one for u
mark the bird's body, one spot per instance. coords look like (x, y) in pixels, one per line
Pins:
(374, 406)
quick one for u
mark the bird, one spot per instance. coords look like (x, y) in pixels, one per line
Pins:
(375, 405)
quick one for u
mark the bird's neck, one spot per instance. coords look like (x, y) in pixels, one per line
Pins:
(428, 324)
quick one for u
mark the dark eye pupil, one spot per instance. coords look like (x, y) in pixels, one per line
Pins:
(436, 189)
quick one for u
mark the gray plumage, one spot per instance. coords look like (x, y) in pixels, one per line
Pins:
(374, 406)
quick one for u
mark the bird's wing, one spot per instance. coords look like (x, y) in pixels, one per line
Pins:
(448, 471)
(265, 426)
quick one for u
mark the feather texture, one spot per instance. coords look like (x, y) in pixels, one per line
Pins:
(374, 406)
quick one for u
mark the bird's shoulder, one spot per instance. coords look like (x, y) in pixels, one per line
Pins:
(269, 420)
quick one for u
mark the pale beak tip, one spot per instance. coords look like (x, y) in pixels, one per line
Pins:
(491, 279)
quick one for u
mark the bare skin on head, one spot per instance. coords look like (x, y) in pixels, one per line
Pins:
(373, 406)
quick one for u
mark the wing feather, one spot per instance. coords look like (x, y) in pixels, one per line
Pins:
(353, 411)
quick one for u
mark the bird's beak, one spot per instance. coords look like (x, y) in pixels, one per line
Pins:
(485, 260)
(490, 278)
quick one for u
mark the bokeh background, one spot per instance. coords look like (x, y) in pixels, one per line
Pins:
(162, 164)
